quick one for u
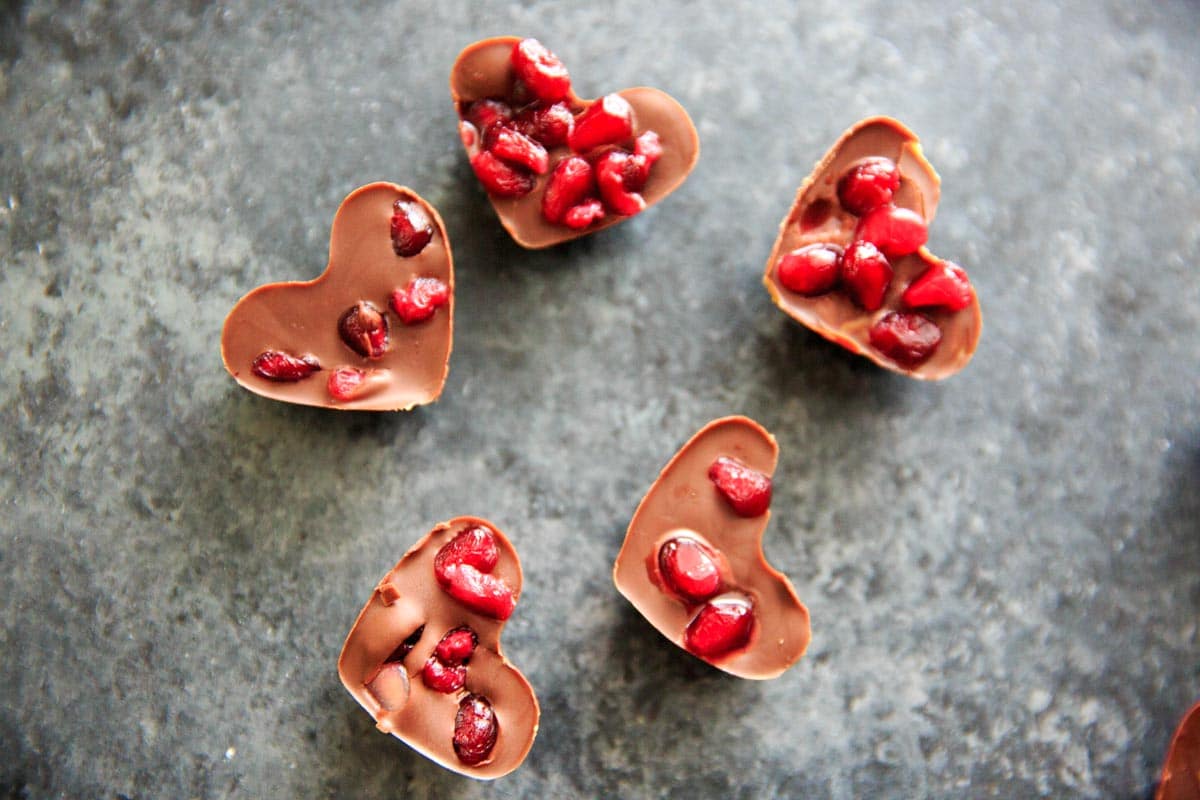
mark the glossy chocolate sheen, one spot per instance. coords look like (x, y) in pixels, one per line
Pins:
(1181, 771)
(408, 597)
(683, 499)
(301, 317)
(484, 69)
(816, 216)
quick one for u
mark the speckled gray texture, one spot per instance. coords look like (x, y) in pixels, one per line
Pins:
(1002, 569)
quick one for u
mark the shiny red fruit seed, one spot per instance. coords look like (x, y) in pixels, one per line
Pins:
(499, 178)
(542, 72)
(811, 270)
(722, 626)
(364, 329)
(609, 120)
(747, 490)
(943, 285)
(908, 339)
(444, 678)
(516, 148)
(895, 231)
(419, 300)
(483, 114)
(475, 729)
(649, 146)
(618, 177)
(571, 182)
(412, 229)
(475, 546)
(456, 646)
(481, 592)
(278, 366)
(344, 383)
(550, 125)
(868, 184)
(689, 569)
(866, 274)
(584, 214)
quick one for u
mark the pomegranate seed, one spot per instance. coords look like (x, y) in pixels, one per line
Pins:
(479, 591)
(943, 285)
(364, 329)
(404, 648)
(475, 729)
(516, 148)
(572, 180)
(895, 231)
(485, 113)
(444, 678)
(649, 146)
(908, 339)
(722, 626)
(456, 646)
(868, 184)
(475, 546)
(613, 175)
(499, 178)
(747, 490)
(419, 300)
(551, 125)
(344, 383)
(278, 366)
(689, 569)
(542, 72)
(866, 275)
(609, 120)
(390, 686)
(412, 229)
(584, 214)
(810, 270)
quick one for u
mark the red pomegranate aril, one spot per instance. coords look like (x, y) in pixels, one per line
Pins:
(499, 178)
(868, 184)
(584, 214)
(475, 729)
(866, 274)
(649, 146)
(364, 329)
(613, 180)
(542, 72)
(485, 113)
(908, 339)
(722, 626)
(419, 300)
(412, 229)
(344, 383)
(573, 180)
(689, 569)
(481, 592)
(747, 490)
(475, 546)
(516, 148)
(456, 646)
(275, 365)
(811, 270)
(895, 231)
(943, 285)
(550, 125)
(609, 120)
(444, 678)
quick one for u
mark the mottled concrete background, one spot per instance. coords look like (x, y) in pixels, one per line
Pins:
(1001, 569)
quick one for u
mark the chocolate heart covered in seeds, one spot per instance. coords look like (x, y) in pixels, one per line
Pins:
(424, 656)
(556, 166)
(373, 332)
(1181, 770)
(850, 261)
(692, 562)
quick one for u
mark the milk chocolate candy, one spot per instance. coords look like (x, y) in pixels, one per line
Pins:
(556, 166)
(373, 332)
(850, 261)
(424, 656)
(692, 562)
(1181, 771)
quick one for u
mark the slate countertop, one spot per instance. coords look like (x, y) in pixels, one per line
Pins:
(1001, 568)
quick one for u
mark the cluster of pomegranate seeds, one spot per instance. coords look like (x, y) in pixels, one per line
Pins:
(463, 569)
(282, 367)
(689, 569)
(475, 729)
(596, 179)
(412, 229)
(722, 626)
(364, 329)
(419, 300)
(446, 669)
(747, 490)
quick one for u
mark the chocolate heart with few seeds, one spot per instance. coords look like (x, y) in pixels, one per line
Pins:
(400, 629)
(892, 333)
(485, 71)
(334, 341)
(690, 502)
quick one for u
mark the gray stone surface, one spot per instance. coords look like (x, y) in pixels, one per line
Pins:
(1001, 569)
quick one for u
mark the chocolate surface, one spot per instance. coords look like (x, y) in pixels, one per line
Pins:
(484, 69)
(406, 599)
(684, 500)
(1181, 770)
(817, 216)
(301, 317)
